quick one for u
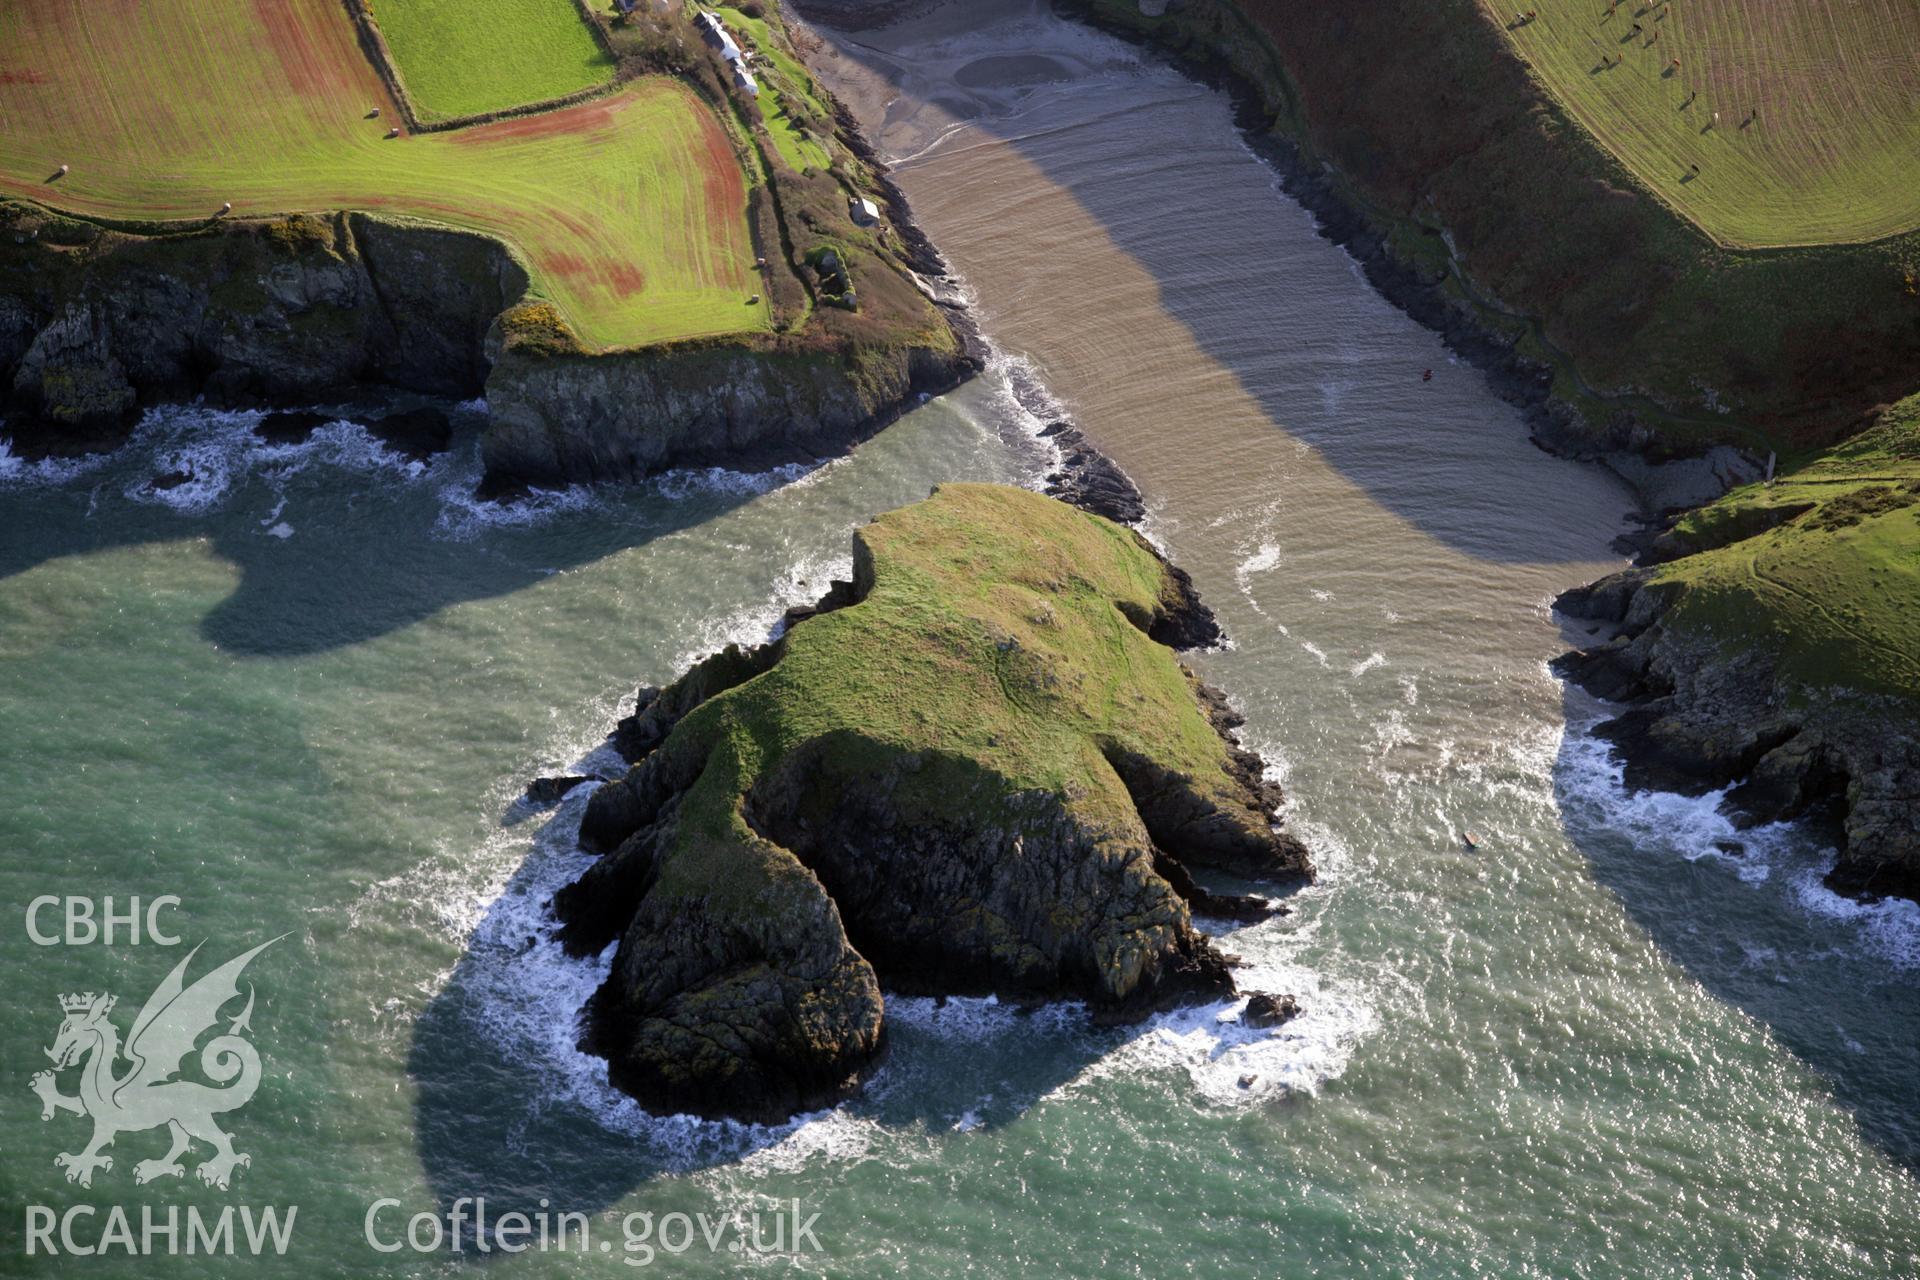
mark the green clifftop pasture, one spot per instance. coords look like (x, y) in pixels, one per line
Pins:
(458, 59)
(976, 770)
(1825, 562)
(629, 211)
(1766, 122)
(664, 223)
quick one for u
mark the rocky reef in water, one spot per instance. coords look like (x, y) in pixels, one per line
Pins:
(978, 767)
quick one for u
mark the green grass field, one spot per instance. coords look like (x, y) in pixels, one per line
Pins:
(1002, 648)
(458, 58)
(1837, 585)
(1834, 153)
(786, 87)
(629, 211)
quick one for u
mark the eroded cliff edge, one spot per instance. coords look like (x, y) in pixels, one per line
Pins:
(1769, 643)
(976, 768)
(564, 417)
(96, 323)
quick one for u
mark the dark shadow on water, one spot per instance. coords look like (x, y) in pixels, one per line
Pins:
(366, 551)
(496, 1115)
(1154, 200)
(1820, 985)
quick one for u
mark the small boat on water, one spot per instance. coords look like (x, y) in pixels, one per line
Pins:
(1470, 840)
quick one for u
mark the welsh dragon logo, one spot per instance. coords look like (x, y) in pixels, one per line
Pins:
(147, 1094)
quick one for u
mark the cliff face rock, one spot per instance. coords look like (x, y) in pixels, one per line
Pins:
(625, 415)
(440, 291)
(972, 770)
(1769, 639)
(1705, 715)
(94, 322)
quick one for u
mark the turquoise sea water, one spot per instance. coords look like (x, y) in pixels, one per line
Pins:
(303, 693)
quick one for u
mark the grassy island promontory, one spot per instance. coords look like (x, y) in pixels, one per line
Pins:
(976, 769)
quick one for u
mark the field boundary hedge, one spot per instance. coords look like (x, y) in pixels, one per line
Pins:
(387, 67)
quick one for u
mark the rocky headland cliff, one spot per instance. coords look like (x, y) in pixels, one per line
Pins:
(560, 418)
(96, 323)
(1767, 643)
(976, 768)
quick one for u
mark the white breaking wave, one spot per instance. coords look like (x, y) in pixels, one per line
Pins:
(15, 470)
(191, 459)
(1227, 1064)
(689, 482)
(1693, 827)
(464, 516)
(1029, 409)
(801, 583)
(216, 450)
(1697, 829)
(1891, 925)
(1266, 558)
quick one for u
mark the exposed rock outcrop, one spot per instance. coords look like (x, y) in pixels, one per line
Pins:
(1270, 1011)
(1090, 480)
(625, 415)
(552, 790)
(242, 312)
(970, 770)
(1706, 715)
(96, 323)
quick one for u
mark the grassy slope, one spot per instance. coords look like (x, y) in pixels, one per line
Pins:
(786, 87)
(992, 643)
(630, 211)
(1836, 587)
(461, 59)
(1833, 154)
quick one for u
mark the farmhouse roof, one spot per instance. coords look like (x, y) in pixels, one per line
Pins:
(719, 37)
